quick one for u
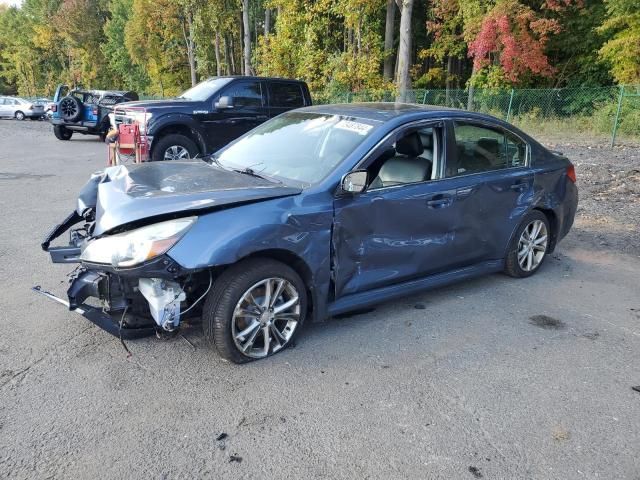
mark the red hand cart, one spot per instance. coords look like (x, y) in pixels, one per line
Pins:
(126, 140)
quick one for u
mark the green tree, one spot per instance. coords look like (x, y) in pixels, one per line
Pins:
(127, 74)
(622, 50)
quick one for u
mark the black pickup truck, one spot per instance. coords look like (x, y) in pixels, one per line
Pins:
(208, 116)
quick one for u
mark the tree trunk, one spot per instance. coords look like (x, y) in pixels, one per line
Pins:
(247, 37)
(232, 56)
(404, 51)
(267, 24)
(471, 91)
(448, 81)
(388, 40)
(470, 98)
(217, 51)
(227, 55)
(190, 46)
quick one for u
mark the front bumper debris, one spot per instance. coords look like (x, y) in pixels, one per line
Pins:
(131, 302)
(109, 323)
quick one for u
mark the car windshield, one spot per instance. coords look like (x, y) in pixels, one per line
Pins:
(298, 146)
(205, 89)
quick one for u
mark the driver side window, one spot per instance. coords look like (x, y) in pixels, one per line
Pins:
(411, 158)
(246, 94)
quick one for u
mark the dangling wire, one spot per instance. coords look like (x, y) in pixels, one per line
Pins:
(129, 354)
(201, 296)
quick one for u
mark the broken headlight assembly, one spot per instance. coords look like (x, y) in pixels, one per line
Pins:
(136, 246)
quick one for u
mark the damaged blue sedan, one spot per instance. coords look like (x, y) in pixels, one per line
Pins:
(317, 212)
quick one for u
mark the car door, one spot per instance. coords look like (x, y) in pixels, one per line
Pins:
(247, 109)
(490, 169)
(397, 232)
(13, 106)
(284, 96)
(3, 107)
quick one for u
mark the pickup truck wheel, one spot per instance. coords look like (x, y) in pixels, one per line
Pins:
(62, 133)
(174, 147)
(254, 310)
(19, 115)
(529, 246)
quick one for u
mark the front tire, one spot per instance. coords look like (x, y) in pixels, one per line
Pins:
(254, 310)
(61, 132)
(174, 147)
(19, 115)
(529, 246)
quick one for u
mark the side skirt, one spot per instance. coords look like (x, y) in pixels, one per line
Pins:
(372, 297)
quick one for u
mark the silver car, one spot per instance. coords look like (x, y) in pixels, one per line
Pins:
(18, 108)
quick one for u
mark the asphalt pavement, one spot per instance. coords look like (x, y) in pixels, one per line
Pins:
(493, 378)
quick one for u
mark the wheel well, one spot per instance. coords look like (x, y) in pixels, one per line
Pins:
(180, 130)
(295, 262)
(553, 223)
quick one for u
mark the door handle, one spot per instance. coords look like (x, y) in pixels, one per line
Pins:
(262, 118)
(464, 192)
(519, 186)
(439, 201)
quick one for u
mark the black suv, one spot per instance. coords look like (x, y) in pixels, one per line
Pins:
(208, 116)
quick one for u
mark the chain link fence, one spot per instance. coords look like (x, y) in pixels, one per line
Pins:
(601, 111)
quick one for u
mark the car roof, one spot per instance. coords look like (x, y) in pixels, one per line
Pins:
(244, 77)
(385, 111)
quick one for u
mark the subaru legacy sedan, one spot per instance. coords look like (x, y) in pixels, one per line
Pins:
(317, 212)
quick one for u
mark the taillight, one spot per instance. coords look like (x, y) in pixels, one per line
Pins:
(54, 108)
(31, 107)
(571, 173)
(95, 110)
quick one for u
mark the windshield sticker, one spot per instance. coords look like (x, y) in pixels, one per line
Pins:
(357, 127)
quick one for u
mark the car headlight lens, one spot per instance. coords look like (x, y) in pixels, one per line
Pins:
(141, 118)
(137, 246)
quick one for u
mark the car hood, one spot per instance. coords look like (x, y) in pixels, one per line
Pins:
(129, 193)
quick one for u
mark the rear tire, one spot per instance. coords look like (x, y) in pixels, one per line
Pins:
(239, 302)
(19, 115)
(174, 147)
(529, 246)
(61, 132)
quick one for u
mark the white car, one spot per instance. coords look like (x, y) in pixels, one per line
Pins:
(18, 108)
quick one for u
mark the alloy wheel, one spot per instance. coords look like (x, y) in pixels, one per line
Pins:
(20, 116)
(176, 152)
(532, 245)
(265, 318)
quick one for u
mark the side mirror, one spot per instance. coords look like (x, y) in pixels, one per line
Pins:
(224, 102)
(354, 182)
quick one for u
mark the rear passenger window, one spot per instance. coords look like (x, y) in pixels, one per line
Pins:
(287, 95)
(483, 149)
(246, 94)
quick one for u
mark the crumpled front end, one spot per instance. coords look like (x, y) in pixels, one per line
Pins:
(128, 301)
(126, 220)
(132, 302)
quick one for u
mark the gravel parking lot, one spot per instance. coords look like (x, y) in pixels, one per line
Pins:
(492, 378)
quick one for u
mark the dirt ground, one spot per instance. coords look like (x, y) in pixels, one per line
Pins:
(609, 182)
(492, 378)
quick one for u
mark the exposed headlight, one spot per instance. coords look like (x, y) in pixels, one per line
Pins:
(137, 246)
(140, 117)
